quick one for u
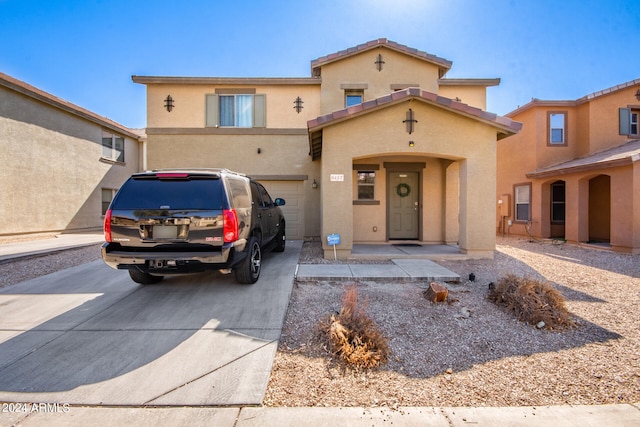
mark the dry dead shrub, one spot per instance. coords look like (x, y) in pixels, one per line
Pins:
(532, 301)
(352, 335)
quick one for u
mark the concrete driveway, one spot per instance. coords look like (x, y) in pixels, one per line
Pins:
(88, 335)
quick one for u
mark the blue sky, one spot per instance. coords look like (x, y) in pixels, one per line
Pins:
(85, 51)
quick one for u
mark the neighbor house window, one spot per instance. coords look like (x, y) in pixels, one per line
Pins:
(523, 202)
(107, 197)
(629, 121)
(557, 128)
(236, 110)
(353, 97)
(558, 202)
(366, 185)
(112, 147)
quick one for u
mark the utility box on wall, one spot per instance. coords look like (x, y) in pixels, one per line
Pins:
(504, 204)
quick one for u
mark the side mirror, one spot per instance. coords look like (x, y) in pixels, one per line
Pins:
(279, 201)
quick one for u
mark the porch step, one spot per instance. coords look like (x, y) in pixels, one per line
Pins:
(400, 270)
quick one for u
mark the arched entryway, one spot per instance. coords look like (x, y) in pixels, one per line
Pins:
(600, 209)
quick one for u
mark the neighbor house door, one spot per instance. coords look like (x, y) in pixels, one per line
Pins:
(404, 205)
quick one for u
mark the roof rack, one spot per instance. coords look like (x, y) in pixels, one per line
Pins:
(217, 170)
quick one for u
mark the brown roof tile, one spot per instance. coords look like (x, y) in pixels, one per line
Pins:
(505, 123)
(621, 155)
(446, 64)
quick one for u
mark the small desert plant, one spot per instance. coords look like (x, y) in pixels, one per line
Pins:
(352, 335)
(532, 301)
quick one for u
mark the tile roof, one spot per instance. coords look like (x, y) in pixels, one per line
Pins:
(572, 103)
(446, 64)
(621, 155)
(42, 96)
(506, 124)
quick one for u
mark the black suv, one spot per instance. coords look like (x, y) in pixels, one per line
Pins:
(183, 221)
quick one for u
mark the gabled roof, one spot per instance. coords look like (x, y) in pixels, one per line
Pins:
(572, 103)
(505, 126)
(45, 97)
(621, 155)
(444, 64)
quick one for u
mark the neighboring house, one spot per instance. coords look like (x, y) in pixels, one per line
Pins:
(574, 171)
(376, 146)
(61, 164)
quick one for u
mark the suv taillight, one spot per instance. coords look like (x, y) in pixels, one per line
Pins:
(107, 226)
(230, 227)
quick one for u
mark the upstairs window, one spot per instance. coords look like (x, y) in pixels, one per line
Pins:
(235, 110)
(353, 97)
(557, 128)
(112, 147)
(629, 122)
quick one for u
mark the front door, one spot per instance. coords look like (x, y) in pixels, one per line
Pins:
(404, 205)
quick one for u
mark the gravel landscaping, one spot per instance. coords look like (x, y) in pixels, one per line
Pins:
(468, 351)
(463, 352)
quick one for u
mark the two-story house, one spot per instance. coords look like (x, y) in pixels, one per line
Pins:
(61, 164)
(573, 171)
(376, 145)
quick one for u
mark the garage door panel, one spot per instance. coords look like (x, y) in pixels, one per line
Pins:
(293, 194)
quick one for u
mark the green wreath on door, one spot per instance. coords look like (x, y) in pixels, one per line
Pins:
(403, 190)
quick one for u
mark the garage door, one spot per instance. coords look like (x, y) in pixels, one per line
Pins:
(293, 193)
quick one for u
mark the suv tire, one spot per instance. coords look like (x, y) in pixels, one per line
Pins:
(248, 271)
(144, 278)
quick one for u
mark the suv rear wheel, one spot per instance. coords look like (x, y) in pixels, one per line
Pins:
(144, 278)
(248, 271)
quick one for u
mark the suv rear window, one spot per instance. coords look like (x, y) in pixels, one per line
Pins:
(154, 193)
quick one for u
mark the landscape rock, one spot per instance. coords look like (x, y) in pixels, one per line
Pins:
(436, 292)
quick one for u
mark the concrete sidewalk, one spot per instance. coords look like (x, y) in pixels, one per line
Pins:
(623, 415)
(55, 243)
(401, 270)
(42, 414)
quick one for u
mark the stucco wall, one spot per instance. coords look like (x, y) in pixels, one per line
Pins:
(189, 104)
(51, 176)
(471, 95)
(439, 134)
(397, 69)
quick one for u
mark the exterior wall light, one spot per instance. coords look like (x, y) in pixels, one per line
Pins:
(168, 103)
(409, 121)
(379, 62)
(314, 184)
(411, 144)
(297, 105)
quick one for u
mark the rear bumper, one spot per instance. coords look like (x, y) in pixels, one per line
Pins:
(171, 262)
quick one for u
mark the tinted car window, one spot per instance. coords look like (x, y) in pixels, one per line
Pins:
(145, 193)
(266, 199)
(239, 189)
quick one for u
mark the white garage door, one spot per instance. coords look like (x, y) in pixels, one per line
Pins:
(293, 193)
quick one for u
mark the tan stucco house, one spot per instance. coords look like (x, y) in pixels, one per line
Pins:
(376, 145)
(574, 171)
(61, 163)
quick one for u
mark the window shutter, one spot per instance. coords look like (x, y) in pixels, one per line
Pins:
(259, 111)
(212, 112)
(625, 121)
